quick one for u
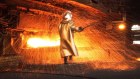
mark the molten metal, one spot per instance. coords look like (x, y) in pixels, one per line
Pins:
(42, 42)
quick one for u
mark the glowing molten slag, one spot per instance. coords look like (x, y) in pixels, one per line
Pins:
(42, 42)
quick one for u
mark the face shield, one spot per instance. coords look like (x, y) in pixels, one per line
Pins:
(68, 16)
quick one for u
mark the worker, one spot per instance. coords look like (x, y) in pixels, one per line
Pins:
(66, 31)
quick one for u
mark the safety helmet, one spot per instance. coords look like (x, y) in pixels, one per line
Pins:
(67, 15)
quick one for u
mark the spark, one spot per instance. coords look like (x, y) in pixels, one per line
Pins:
(92, 44)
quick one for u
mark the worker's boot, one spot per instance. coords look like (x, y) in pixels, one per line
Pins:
(71, 58)
(65, 60)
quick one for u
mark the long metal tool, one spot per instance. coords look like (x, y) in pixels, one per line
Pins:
(92, 24)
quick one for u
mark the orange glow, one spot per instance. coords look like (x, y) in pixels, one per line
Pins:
(138, 59)
(42, 42)
(96, 48)
(121, 26)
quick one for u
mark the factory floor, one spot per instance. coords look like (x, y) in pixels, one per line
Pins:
(12, 67)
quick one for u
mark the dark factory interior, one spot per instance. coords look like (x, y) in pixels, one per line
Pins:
(108, 42)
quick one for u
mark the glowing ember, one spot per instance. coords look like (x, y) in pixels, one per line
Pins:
(40, 42)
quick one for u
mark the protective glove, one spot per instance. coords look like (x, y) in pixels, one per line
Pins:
(81, 29)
